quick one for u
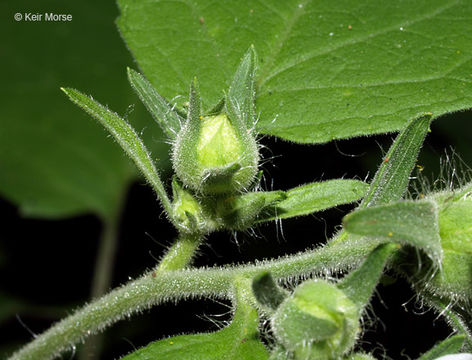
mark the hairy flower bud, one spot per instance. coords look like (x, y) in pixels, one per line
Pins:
(454, 279)
(317, 322)
(228, 161)
(215, 154)
(186, 209)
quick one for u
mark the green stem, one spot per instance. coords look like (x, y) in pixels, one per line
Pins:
(158, 286)
(181, 252)
(102, 278)
(149, 290)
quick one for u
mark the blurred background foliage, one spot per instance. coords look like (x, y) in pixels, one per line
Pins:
(64, 182)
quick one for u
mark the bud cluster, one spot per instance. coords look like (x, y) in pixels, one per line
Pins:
(215, 157)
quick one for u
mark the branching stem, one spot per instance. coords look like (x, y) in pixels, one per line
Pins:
(159, 286)
(180, 254)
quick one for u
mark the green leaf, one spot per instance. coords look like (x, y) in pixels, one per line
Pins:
(449, 346)
(168, 119)
(238, 341)
(407, 222)
(310, 198)
(214, 346)
(127, 138)
(327, 70)
(55, 162)
(392, 178)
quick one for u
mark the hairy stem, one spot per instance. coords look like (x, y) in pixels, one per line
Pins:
(102, 278)
(181, 252)
(134, 297)
(159, 286)
(177, 257)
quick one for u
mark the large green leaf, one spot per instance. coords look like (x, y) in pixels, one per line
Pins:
(327, 69)
(54, 160)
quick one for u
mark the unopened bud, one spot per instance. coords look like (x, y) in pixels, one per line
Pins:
(187, 210)
(454, 279)
(216, 154)
(317, 322)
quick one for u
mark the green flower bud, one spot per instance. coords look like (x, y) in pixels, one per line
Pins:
(186, 209)
(317, 322)
(218, 144)
(215, 154)
(454, 279)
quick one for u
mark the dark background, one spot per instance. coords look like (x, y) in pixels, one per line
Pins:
(47, 265)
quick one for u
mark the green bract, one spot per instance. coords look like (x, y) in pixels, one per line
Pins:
(317, 322)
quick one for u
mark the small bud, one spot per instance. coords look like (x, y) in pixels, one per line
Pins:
(215, 154)
(187, 210)
(317, 322)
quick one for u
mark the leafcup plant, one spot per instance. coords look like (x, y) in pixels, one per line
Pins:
(216, 187)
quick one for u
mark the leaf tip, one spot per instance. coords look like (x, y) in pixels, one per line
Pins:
(69, 92)
(425, 116)
(252, 51)
(132, 73)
